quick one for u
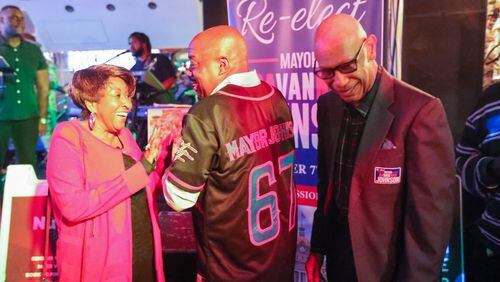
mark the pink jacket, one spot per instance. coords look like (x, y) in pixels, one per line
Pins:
(90, 191)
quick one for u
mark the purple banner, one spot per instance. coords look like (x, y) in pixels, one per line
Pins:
(280, 37)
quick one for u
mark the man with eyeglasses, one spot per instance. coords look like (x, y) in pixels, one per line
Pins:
(386, 185)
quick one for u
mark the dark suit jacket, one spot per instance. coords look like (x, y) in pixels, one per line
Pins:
(399, 232)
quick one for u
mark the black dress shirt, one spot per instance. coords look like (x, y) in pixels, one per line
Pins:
(341, 262)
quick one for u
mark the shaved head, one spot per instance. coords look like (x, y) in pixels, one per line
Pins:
(338, 32)
(215, 54)
(343, 49)
(223, 41)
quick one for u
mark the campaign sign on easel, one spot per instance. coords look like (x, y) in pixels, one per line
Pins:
(22, 230)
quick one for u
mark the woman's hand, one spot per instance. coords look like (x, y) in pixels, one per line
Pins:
(153, 148)
(165, 156)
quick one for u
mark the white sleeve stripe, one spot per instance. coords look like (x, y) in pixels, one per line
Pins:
(177, 198)
(183, 184)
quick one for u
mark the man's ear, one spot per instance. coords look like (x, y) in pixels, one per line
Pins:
(371, 43)
(91, 106)
(223, 65)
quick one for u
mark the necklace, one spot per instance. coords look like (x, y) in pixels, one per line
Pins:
(114, 141)
(117, 143)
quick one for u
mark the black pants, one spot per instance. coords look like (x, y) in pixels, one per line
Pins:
(339, 259)
(24, 133)
(481, 264)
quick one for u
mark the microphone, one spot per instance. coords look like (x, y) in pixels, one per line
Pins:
(117, 55)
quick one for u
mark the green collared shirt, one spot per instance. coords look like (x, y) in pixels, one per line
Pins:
(19, 100)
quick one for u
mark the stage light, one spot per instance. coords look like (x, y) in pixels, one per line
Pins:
(69, 8)
(152, 5)
(110, 7)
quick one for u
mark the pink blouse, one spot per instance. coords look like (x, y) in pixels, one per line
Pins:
(90, 192)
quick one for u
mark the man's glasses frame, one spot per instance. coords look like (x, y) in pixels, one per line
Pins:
(349, 67)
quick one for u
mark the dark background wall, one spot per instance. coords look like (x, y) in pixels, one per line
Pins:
(443, 45)
(215, 13)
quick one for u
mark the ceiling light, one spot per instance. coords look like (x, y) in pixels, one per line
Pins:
(110, 7)
(152, 5)
(69, 8)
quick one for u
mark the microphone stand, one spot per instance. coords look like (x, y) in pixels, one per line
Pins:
(116, 56)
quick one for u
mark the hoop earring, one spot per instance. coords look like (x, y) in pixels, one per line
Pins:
(91, 121)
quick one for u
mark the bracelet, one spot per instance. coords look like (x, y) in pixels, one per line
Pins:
(43, 120)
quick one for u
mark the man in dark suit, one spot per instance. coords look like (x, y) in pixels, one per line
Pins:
(385, 163)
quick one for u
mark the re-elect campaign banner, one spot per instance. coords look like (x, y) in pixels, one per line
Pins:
(280, 37)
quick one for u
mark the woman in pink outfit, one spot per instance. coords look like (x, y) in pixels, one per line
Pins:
(101, 186)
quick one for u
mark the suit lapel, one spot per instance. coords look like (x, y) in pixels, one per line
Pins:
(377, 126)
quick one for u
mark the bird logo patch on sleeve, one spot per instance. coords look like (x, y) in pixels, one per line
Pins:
(183, 152)
(387, 175)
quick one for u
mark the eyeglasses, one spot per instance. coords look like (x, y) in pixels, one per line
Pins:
(349, 67)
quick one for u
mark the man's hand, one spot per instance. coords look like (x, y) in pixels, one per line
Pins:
(313, 266)
(152, 149)
(165, 156)
(42, 128)
(42, 90)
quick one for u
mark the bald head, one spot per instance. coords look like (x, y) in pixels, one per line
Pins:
(338, 32)
(215, 54)
(346, 57)
(223, 41)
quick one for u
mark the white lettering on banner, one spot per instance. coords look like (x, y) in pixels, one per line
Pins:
(297, 60)
(307, 195)
(261, 23)
(39, 223)
(303, 114)
(304, 169)
(299, 169)
(37, 258)
(42, 258)
(313, 169)
(289, 85)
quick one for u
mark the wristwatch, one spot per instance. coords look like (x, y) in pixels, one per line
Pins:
(43, 120)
